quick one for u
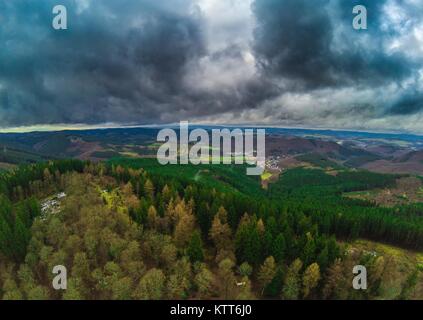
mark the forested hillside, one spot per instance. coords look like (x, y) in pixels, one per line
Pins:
(131, 229)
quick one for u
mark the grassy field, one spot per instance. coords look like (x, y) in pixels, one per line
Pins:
(266, 176)
(319, 160)
(221, 177)
(407, 190)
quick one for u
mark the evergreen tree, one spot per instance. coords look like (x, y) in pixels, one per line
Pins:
(245, 269)
(278, 248)
(195, 248)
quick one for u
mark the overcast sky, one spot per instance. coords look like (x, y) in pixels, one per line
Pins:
(273, 62)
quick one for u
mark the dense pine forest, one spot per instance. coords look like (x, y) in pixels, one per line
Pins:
(131, 229)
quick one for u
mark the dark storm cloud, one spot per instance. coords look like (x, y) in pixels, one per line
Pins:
(408, 104)
(118, 61)
(313, 44)
(155, 61)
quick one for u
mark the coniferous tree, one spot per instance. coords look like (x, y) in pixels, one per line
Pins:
(204, 281)
(292, 283)
(278, 248)
(266, 273)
(227, 277)
(195, 248)
(311, 279)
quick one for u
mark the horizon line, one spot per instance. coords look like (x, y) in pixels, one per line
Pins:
(105, 126)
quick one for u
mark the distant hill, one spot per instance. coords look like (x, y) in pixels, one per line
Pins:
(397, 153)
